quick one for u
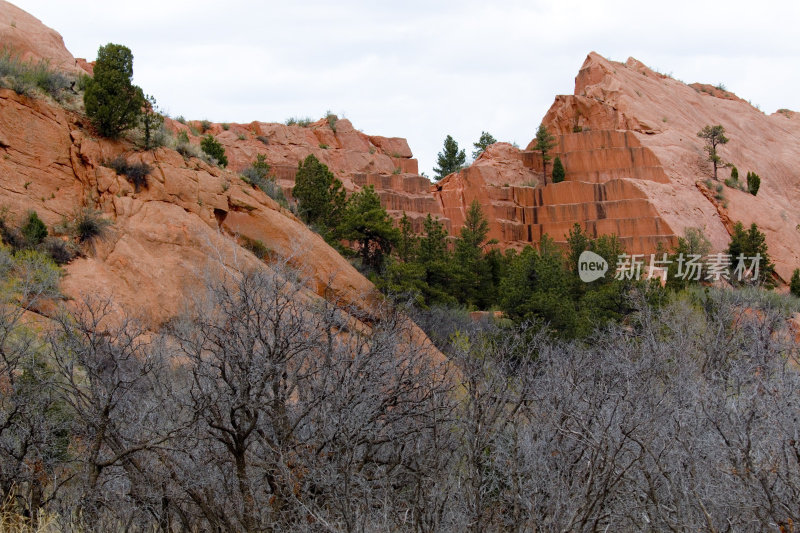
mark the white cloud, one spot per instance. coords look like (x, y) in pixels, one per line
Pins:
(424, 69)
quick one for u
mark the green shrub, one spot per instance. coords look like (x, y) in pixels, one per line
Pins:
(205, 125)
(25, 77)
(34, 231)
(112, 102)
(257, 175)
(332, 119)
(303, 122)
(181, 119)
(753, 183)
(213, 148)
(152, 123)
(732, 183)
(226, 126)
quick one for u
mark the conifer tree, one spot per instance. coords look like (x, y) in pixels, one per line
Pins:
(486, 140)
(753, 183)
(111, 100)
(543, 143)
(713, 136)
(366, 222)
(450, 160)
(320, 196)
(558, 171)
(214, 148)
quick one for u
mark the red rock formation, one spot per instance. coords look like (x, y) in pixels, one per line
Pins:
(27, 37)
(165, 236)
(664, 115)
(355, 158)
(627, 138)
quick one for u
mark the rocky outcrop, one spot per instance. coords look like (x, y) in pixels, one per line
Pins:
(27, 37)
(664, 116)
(635, 166)
(165, 236)
(355, 158)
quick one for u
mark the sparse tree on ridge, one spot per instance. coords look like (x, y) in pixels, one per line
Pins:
(450, 160)
(486, 140)
(544, 142)
(112, 102)
(713, 136)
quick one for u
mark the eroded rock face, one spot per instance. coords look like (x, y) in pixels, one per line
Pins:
(664, 115)
(355, 158)
(164, 237)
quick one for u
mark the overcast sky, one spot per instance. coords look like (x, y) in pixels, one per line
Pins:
(425, 69)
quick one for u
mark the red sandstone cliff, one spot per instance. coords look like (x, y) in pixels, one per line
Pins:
(164, 238)
(627, 138)
(663, 116)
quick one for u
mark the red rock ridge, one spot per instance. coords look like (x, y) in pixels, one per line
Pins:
(664, 115)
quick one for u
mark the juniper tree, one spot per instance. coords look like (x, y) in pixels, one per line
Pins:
(112, 101)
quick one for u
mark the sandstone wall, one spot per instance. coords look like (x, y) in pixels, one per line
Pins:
(664, 115)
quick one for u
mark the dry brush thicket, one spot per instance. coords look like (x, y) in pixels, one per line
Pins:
(260, 409)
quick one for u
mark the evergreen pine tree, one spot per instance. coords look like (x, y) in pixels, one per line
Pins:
(320, 196)
(407, 245)
(365, 222)
(34, 231)
(558, 171)
(713, 136)
(749, 244)
(483, 143)
(544, 142)
(450, 159)
(473, 280)
(151, 122)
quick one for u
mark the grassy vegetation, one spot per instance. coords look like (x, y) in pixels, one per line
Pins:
(28, 78)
